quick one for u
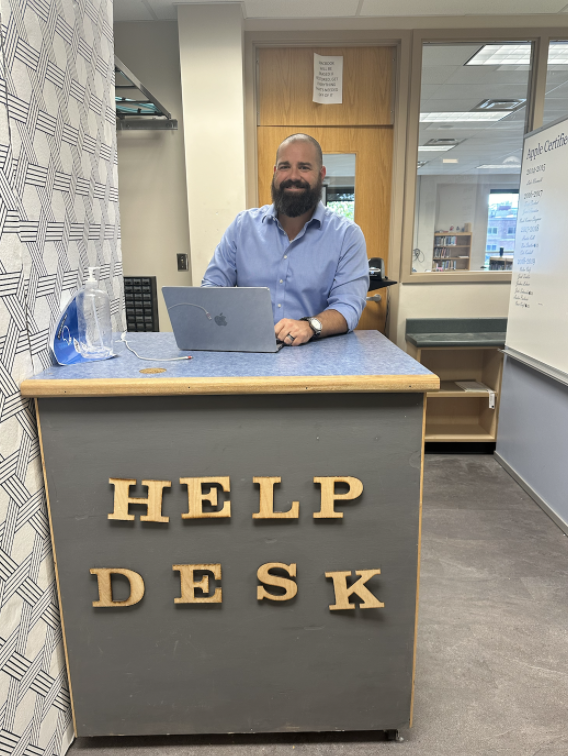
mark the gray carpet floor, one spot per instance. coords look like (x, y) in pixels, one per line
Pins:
(492, 666)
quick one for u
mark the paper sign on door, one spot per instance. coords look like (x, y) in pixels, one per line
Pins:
(328, 79)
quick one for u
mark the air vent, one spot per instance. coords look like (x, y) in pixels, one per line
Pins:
(509, 105)
(442, 143)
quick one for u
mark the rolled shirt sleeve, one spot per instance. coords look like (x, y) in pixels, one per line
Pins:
(351, 283)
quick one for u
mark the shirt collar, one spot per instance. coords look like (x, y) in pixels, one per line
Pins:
(317, 216)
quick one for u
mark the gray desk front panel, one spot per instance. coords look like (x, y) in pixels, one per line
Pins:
(243, 665)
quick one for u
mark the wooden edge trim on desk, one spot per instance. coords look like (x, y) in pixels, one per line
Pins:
(251, 385)
(52, 536)
(425, 403)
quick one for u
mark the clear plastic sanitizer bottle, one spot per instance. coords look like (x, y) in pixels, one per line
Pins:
(93, 313)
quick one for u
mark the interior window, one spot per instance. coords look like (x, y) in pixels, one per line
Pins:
(556, 98)
(472, 121)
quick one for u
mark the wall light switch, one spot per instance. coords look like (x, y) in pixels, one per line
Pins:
(183, 262)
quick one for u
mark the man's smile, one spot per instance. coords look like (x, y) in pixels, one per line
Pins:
(294, 186)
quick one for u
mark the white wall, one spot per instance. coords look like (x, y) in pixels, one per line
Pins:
(450, 300)
(211, 55)
(151, 164)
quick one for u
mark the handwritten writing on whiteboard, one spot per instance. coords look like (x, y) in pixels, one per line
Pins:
(538, 309)
(328, 79)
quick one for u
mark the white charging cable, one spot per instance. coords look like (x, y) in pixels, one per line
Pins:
(190, 304)
(150, 359)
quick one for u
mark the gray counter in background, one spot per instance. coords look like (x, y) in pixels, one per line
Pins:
(456, 332)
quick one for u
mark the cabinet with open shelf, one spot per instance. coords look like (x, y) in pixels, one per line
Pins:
(455, 415)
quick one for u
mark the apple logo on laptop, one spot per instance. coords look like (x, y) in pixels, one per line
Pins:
(221, 320)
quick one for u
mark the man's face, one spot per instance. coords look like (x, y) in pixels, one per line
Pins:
(297, 180)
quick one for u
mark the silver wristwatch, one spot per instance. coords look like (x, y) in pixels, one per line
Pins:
(315, 325)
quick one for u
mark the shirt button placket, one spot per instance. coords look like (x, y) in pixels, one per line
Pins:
(282, 278)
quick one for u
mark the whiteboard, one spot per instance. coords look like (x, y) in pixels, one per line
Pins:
(538, 309)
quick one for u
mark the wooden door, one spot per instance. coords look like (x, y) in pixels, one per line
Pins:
(361, 125)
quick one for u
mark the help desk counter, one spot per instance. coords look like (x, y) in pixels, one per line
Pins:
(237, 537)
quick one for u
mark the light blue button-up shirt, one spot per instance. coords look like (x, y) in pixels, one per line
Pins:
(324, 267)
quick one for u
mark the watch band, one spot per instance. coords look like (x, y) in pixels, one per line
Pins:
(317, 332)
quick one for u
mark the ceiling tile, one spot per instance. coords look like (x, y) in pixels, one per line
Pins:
(480, 91)
(447, 55)
(301, 8)
(481, 74)
(442, 104)
(437, 74)
(428, 91)
(556, 88)
(457, 7)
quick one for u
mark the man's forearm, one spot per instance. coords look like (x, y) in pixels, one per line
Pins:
(297, 332)
(332, 323)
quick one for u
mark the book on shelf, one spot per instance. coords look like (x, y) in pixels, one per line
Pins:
(446, 265)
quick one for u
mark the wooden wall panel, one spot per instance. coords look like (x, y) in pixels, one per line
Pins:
(286, 87)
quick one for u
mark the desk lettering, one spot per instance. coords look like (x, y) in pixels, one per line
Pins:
(153, 503)
(266, 509)
(342, 592)
(189, 584)
(329, 497)
(289, 586)
(196, 497)
(104, 581)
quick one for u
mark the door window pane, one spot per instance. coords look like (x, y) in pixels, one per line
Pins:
(472, 122)
(556, 98)
(338, 191)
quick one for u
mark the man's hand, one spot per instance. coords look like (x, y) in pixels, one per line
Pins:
(293, 332)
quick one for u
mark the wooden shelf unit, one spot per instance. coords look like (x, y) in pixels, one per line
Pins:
(443, 252)
(455, 415)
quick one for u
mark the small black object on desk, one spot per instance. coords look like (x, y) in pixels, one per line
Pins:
(376, 282)
(378, 279)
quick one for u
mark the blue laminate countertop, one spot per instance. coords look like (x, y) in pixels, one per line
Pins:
(359, 361)
(456, 332)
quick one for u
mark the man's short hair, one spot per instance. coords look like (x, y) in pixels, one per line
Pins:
(303, 138)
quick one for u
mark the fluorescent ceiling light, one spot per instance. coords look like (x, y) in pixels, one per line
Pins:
(502, 55)
(493, 104)
(558, 54)
(450, 160)
(518, 54)
(475, 115)
(502, 167)
(435, 147)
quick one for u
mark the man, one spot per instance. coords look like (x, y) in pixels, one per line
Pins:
(313, 261)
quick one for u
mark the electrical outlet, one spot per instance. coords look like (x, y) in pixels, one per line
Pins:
(183, 263)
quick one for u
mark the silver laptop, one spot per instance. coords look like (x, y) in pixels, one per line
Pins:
(217, 319)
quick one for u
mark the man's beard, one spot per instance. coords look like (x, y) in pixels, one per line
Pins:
(294, 205)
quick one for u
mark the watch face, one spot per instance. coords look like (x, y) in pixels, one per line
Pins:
(316, 325)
